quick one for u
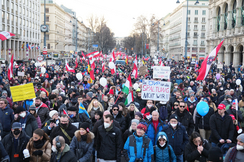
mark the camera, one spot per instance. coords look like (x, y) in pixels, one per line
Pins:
(139, 160)
(52, 121)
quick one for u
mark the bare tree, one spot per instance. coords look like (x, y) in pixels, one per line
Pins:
(93, 22)
(155, 31)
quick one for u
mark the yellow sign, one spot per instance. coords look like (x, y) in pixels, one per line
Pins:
(23, 92)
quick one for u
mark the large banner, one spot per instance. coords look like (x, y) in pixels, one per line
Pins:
(161, 72)
(155, 90)
(22, 92)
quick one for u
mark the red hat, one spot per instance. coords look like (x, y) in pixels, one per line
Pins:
(233, 117)
(111, 91)
(142, 126)
(221, 106)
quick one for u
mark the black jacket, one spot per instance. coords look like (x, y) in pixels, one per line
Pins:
(221, 128)
(67, 157)
(203, 122)
(80, 118)
(127, 133)
(186, 120)
(58, 132)
(121, 120)
(191, 153)
(141, 102)
(109, 143)
(8, 143)
(233, 112)
(3, 152)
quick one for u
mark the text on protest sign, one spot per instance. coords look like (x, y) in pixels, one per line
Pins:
(161, 72)
(155, 90)
(23, 92)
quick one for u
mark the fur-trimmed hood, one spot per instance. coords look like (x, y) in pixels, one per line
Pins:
(90, 136)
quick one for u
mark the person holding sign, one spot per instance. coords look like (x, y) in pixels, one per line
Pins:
(147, 111)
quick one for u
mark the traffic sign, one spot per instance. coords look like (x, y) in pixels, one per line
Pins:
(44, 52)
(40, 58)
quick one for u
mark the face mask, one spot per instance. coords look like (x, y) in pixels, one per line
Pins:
(239, 147)
(162, 145)
(230, 100)
(54, 149)
(149, 106)
(64, 126)
(22, 114)
(16, 132)
(106, 125)
(173, 125)
(221, 89)
(176, 87)
(72, 87)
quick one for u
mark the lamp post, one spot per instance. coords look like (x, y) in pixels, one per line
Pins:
(186, 43)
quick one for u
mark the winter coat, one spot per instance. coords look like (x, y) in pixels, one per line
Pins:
(43, 113)
(39, 123)
(30, 125)
(178, 138)
(239, 156)
(146, 112)
(233, 112)
(66, 156)
(186, 119)
(46, 148)
(58, 132)
(121, 120)
(6, 118)
(85, 146)
(127, 133)
(3, 153)
(109, 143)
(191, 103)
(191, 153)
(135, 142)
(8, 143)
(163, 154)
(221, 128)
(141, 102)
(203, 122)
(152, 133)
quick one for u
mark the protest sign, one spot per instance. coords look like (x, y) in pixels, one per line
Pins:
(22, 92)
(161, 72)
(155, 90)
(220, 66)
(21, 73)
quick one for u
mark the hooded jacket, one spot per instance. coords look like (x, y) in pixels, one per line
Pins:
(152, 133)
(85, 146)
(162, 153)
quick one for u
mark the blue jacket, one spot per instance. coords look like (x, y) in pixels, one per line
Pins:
(152, 133)
(177, 138)
(6, 118)
(139, 147)
(86, 86)
(178, 81)
(162, 155)
(27, 104)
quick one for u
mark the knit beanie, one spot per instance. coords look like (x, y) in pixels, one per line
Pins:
(51, 113)
(241, 137)
(85, 126)
(19, 109)
(135, 121)
(142, 127)
(32, 107)
(139, 114)
(215, 154)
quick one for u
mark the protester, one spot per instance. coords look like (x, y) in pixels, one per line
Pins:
(131, 130)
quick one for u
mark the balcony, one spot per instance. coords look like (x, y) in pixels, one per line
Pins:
(194, 44)
(195, 36)
(203, 22)
(202, 44)
(203, 29)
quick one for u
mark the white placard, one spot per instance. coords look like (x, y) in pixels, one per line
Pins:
(155, 90)
(219, 66)
(161, 72)
(21, 73)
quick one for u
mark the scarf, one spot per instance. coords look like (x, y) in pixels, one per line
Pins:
(232, 156)
(109, 128)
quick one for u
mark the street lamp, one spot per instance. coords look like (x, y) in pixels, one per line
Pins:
(186, 43)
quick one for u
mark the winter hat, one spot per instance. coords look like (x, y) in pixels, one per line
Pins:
(111, 91)
(173, 116)
(135, 121)
(139, 114)
(241, 137)
(162, 136)
(221, 106)
(85, 126)
(72, 108)
(51, 113)
(215, 154)
(4, 91)
(32, 107)
(115, 106)
(90, 94)
(19, 109)
(142, 127)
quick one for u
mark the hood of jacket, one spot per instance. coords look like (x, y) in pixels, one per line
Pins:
(163, 134)
(90, 136)
(191, 101)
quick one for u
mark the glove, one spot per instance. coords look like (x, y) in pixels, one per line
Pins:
(38, 152)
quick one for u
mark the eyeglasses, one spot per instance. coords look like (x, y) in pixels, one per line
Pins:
(182, 106)
(1, 103)
(149, 102)
(176, 105)
(115, 109)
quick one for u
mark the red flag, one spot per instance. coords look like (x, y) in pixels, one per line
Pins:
(92, 74)
(103, 67)
(76, 63)
(206, 64)
(135, 70)
(10, 68)
(64, 112)
(69, 68)
(83, 55)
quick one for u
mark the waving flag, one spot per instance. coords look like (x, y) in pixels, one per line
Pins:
(126, 60)
(135, 70)
(23, 45)
(76, 63)
(83, 110)
(103, 67)
(206, 64)
(127, 86)
(10, 68)
(69, 68)
(5, 35)
(129, 98)
(27, 46)
(32, 46)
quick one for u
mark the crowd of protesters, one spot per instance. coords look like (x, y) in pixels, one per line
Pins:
(51, 127)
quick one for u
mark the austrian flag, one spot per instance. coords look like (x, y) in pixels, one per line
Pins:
(69, 68)
(6, 35)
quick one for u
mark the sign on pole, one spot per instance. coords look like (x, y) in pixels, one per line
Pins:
(44, 52)
(161, 72)
(155, 90)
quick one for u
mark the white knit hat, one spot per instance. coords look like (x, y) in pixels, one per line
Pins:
(51, 113)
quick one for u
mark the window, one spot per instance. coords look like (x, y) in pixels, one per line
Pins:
(196, 12)
(203, 35)
(188, 49)
(203, 4)
(47, 10)
(196, 19)
(194, 43)
(47, 36)
(195, 34)
(188, 27)
(203, 27)
(203, 12)
(201, 49)
(48, 46)
(194, 49)
(189, 19)
(189, 12)
(202, 43)
(203, 20)
(47, 18)
(195, 27)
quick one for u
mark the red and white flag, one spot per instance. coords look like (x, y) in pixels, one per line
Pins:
(76, 63)
(206, 64)
(6, 35)
(103, 67)
(10, 68)
(69, 68)
(112, 57)
(135, 70)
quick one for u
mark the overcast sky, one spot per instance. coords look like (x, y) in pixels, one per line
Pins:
(120, 14)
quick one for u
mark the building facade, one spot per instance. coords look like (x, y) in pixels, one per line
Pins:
(22, 18)
(196, 32)
(226, 20)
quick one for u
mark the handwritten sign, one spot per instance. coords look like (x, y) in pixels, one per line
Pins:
(23, 92)
(21, 73)
(161, 72)
(155, 90)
